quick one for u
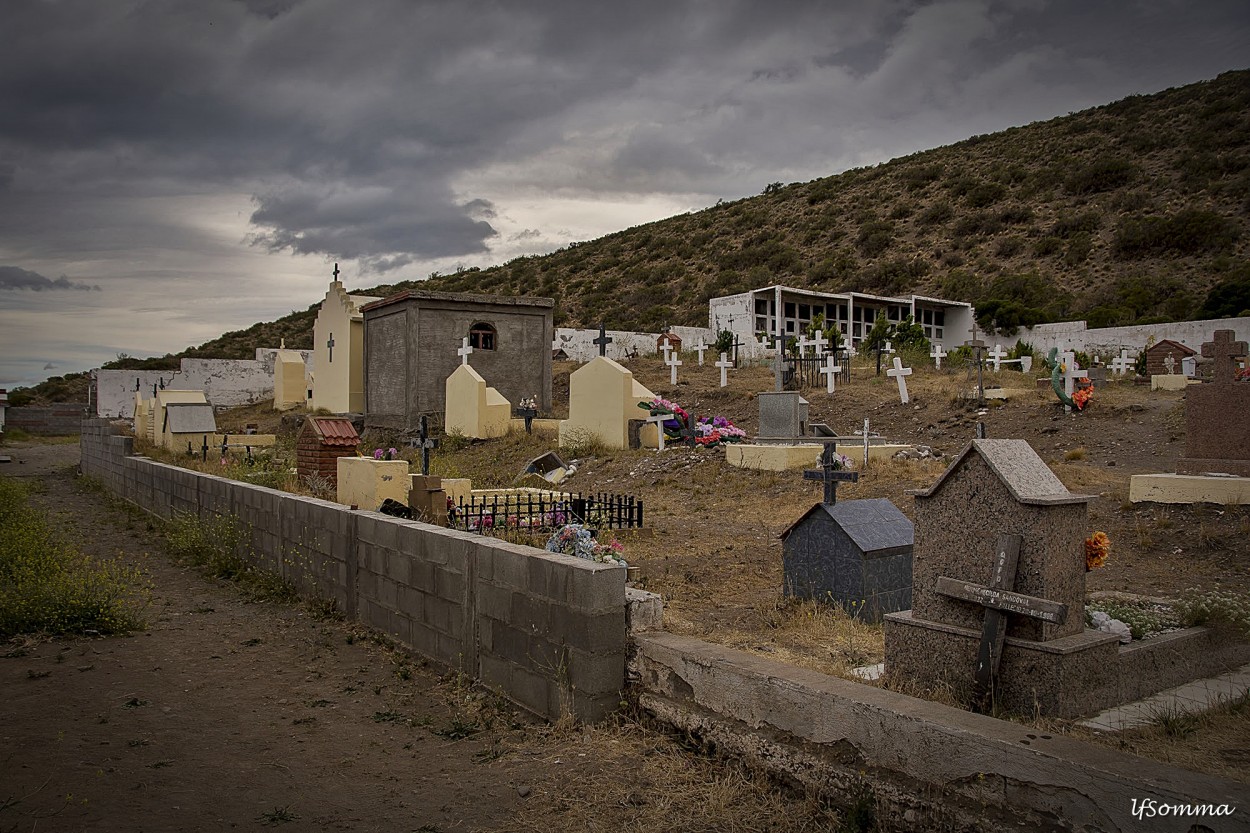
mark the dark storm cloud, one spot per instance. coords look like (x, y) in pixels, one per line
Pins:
(12, 277)
(354, 127)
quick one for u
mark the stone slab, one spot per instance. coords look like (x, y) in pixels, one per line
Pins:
(880, 451)
(1168, 381)
(773, 457)
(1188, 488)
(1191, 698)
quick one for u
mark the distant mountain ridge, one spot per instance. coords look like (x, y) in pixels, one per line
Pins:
(1132, 212)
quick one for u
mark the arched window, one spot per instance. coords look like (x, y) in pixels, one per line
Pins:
(482, 336)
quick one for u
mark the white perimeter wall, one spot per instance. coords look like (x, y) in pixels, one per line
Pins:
(1107, 341)
(227, 383)
(579, 345)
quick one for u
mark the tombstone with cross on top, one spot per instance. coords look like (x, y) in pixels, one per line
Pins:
(997, 591)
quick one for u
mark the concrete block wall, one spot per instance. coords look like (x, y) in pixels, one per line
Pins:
(61, 419)
(546, 630)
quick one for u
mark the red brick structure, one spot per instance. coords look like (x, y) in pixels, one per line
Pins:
(674, 341)
(1157, 354)
(321, 442)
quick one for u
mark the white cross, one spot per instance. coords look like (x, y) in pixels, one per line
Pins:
(667, 348)
(900, 374)
(803, 344)
(464, 350)
(830, 370)
(937, 354)
(699, 348)
(997, 355)
(658, 420)
(820, 343)
(888, 349)
(1121, 363)
(673, 363)
(1071, 374)
(724, 364)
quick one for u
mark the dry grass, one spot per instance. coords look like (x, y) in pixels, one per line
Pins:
(642, 781)
(1216, 742)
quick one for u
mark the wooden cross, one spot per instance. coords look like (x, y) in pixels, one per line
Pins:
(603, 341)
(937, 354)
(330, 343)
(737, 344)
(724, 364)
(998, 599)
(464, 350)
(830, 475)
(688, 432)
(700, 348)
(831, 371)
(1225, 351)
(900, 374)
(426, 444)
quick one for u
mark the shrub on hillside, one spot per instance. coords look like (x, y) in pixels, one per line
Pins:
(1188, 232)
(1103, 174)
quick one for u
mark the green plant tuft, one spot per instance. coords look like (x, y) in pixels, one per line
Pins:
(47, 585)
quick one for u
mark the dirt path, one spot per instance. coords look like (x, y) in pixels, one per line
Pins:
(226, 714)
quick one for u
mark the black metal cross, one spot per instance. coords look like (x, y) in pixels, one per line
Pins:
(330, 343)
(689, 433)
(336, 271)
(998, 599)
(603, 341)
(830, 475)
(426, 444)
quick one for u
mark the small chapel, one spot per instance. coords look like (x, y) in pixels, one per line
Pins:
(414, 340)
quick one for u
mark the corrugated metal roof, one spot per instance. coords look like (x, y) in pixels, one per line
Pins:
(335, 431)
(190, 418)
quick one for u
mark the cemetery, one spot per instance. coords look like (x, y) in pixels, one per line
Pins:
(963, 577)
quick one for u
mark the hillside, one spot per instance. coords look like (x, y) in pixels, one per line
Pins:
(1130, 212)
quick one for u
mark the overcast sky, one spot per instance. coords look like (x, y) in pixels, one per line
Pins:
(173, 169)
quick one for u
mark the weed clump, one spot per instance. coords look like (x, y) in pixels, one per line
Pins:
(49, 586)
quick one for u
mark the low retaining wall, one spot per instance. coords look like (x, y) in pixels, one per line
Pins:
(921, 765)
(546, 630)
(60, 420)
